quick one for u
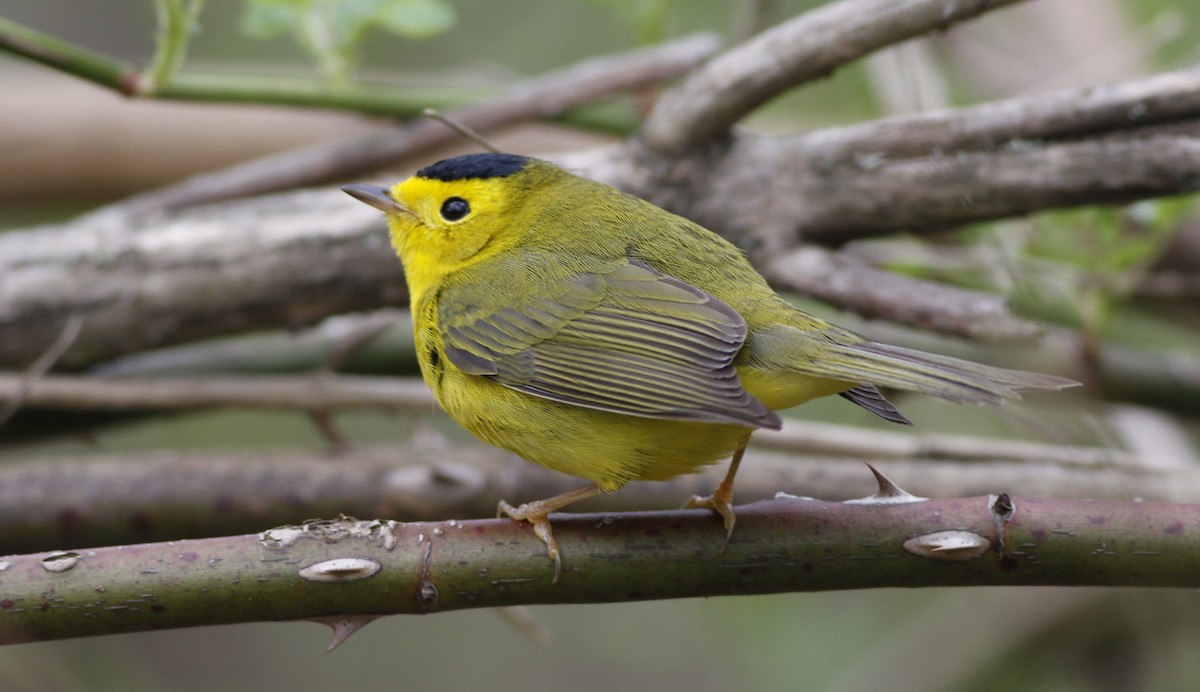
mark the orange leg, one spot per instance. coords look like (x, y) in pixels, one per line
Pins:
(721, 501)
(538, 514)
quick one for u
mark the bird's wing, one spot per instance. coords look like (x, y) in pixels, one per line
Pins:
(623, 338)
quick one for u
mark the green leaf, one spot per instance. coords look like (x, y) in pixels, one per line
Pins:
(415, 18)
(330, 31)
(267, 18)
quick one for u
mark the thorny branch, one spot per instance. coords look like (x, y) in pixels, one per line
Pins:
(364, 569)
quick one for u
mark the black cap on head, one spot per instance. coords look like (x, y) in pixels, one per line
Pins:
(474, 166)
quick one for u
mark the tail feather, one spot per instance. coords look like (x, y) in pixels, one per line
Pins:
(873, 400)
(941, 377)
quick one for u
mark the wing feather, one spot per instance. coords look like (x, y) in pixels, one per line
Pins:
(623, 338)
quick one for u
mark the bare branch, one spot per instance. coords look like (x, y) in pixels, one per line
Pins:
(1059, 115)
(924, 195)
(857, 443)
(872, 292)
(303, 350)
(291, 259)
(547, 96)
(320, 392)
(285, 261)
(325, 392)
(351, 568)
(712, 99)
(768, 193)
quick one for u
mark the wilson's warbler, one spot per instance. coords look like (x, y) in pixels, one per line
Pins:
(599, 335)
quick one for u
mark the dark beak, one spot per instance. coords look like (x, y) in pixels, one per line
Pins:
(377, 196)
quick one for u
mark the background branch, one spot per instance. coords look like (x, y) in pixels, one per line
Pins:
(320, 392)
(548, 96)
(260, 245)
(108, 499)
(129, 80)
(705, 105)
(871, 292)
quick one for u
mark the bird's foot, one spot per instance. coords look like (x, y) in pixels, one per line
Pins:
(537, 514)
(721, 502)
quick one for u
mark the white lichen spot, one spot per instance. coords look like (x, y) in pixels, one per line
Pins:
(951, 546)
(390, 541)
(437, 531)
(331, 531)
(5, 564)
(282, 536)
(61, 562)
(341, 570)
(788, 496)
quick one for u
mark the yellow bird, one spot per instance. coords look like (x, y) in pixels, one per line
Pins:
(596, 334)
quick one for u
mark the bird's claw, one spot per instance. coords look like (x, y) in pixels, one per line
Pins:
(539, 517)
(721, 503)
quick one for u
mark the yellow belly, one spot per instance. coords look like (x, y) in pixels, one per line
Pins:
(609, 449)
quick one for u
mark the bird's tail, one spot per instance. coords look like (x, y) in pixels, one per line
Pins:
(941, 377)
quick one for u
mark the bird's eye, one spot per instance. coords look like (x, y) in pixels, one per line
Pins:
(455, 208)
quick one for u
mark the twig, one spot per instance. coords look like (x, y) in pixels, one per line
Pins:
(712, 99)
(850, 441)
(327, 392)
(21, 385)
(1059, 115)
(319, 392)
(199, 86)
(546, 96)
(463, 131)
(352, 568)
(295, 351)
(872, 292)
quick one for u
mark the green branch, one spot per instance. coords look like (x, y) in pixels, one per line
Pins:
(346, 568)
(163, 81)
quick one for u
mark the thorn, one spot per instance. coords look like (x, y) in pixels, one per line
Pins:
(526, 622)
(343, 626)
(888, 494)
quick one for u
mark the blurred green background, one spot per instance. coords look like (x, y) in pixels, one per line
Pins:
(67, 146)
